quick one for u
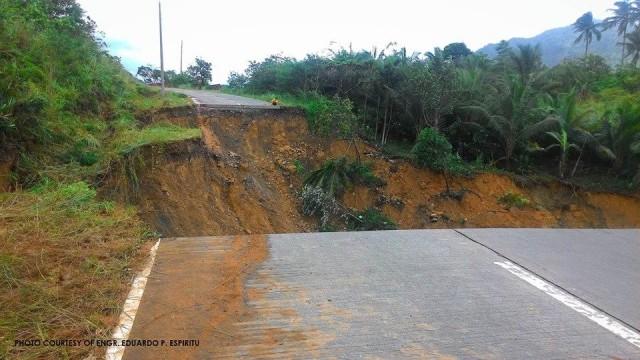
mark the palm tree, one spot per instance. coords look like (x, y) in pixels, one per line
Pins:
(514, 117)
(569, 120)
(622, 17)
(621, 134)
(632, 46)
(564, 144)
(527, 61)
(332, 177)
(586, 28)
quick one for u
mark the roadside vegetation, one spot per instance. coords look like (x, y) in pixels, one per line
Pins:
(68, 117)
(576, 121)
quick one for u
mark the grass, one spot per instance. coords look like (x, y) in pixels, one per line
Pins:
(133, 139)
(152, 99)
(286, 100)
(369, 220)
(65, 266)
(66, 255)
(511, 199)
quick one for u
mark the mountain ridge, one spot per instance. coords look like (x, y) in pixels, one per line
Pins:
(558, 44)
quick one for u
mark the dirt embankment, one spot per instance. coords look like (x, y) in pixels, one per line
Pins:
(241, 178)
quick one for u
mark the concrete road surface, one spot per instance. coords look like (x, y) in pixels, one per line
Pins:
(216, 99)
(599, 266)
(398, 294)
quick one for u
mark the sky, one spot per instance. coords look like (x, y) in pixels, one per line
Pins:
(231, 33)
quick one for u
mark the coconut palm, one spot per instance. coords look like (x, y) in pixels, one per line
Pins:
(570, 120)
(621, 134)
(623, 17)
(515, 116)
(586, 27)
(565, 145)
(632, 46)
(527, 61)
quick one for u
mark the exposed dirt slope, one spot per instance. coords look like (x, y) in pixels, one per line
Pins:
(241, 178)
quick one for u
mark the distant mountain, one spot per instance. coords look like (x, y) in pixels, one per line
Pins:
(558, 44)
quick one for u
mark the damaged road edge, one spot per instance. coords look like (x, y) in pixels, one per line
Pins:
(130, 307)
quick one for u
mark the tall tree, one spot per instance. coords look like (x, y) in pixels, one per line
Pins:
(586, 28)
(622, 18)
(514, 116)
(632, 46)
(620, 133)
(527, 61)
(565, 111)
(456, 51)
(200, 72)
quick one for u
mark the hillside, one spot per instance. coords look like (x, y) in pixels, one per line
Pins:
(558, 44)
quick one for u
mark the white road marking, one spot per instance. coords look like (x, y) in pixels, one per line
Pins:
(576, 304)
(130, 308)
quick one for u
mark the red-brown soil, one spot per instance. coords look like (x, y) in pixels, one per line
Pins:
(240, 178)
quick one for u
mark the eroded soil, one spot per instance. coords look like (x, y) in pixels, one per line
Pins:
(241, 178)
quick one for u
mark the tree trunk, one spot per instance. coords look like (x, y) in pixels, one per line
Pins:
(364, 114)
(384, 127)
(388, 126)
(563, 160)
(624, 39)
(586, 49)
(575, 167)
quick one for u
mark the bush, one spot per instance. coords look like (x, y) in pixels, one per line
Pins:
(361, 173)
(332, 117)
(432, 150)
(333, 177)
(511, 199)
(369, 220)
(338, 174)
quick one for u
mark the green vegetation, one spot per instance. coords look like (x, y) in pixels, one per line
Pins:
(493, 112)
(68, 113)
(322, 187)
(432, 150)
(197, 75)
(130, 140)
(370, 220)
(336, 175)
(326, 116)
(510, 200)
(65, 266)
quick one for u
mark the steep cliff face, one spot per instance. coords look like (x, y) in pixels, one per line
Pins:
(242, 178)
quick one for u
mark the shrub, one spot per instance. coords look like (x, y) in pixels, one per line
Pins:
(370, 219)
(299, 167)
(511, 199)
(332, 117)
(361, 173)
(432, 150)
(333, 177)
(338, 174)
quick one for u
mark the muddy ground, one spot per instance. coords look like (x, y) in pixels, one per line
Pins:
(241, 178)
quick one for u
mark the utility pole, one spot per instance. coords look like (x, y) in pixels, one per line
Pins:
(161, 51)
(181, 46)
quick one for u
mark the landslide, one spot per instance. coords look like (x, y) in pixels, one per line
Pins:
(243, 175)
